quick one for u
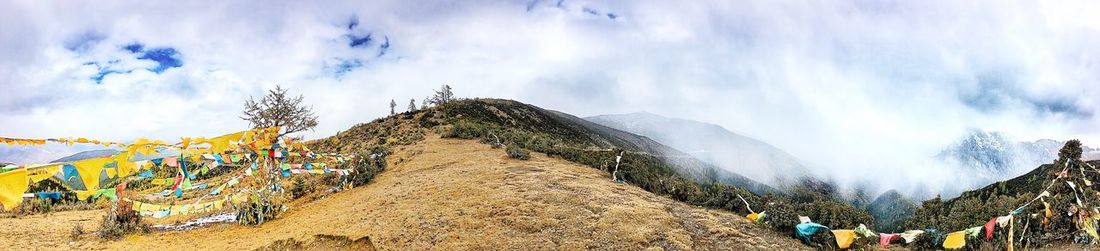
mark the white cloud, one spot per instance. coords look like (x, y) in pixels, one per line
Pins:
(854, 87)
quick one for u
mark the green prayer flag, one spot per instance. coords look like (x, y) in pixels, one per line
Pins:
(109, 192)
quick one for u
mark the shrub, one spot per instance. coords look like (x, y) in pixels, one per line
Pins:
(518, 153)
(299, 187)
(119, 221)
(261, 207)
(77, 231)
(465, 130)
(34, 206)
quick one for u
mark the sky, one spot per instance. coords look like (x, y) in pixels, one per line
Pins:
(849, 87)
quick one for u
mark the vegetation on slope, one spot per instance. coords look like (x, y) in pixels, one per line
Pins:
(570, 138)
(976, 207)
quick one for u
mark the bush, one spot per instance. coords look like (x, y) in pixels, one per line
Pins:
(119, 221)
(518, 153)
(300, 188)
(78, 230)
(261, 207)
(34, 206)
(465, 130)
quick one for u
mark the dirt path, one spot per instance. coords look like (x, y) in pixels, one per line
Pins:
(444, 194)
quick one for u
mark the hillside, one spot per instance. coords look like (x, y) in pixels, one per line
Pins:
(552, 133)
(456, 194)
(975, 207)
(715, 145)
(891, 210)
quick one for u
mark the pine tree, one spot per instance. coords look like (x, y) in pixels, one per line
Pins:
(393, 105)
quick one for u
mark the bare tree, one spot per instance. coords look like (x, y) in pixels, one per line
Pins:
(393, 104)
(425, 103)
(412, 105)
(443, 95)
(277, 109)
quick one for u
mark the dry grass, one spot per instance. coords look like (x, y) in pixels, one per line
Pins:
(454, 195)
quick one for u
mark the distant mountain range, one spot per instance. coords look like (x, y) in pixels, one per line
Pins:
(24, 155)
(996, 155)
(86, 155)
(713, 144)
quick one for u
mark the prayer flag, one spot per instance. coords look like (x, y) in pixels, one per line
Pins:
(12, 185)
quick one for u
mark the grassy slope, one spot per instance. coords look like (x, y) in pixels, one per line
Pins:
(564, 137)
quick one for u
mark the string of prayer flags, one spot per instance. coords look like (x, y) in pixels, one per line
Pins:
(14, 141)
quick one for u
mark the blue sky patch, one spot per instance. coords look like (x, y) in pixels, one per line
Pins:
(353, 22)
(591, 11)
(385, 47)
(103, 70)
(343, 66)
(134, 47)
(355, 41)
(165, 57)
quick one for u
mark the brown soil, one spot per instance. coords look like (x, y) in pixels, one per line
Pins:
(448, 194)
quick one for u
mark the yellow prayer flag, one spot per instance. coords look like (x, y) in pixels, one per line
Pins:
(40, 173)
(1090, 229)
(126, 168)
(111, 172)
(955, 240)
(844, 238)
(89, 171)
(12, 185)
(83, 195)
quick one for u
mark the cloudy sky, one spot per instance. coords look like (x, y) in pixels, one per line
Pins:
(847, 86)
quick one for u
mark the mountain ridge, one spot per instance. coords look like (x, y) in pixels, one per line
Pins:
(715, 145)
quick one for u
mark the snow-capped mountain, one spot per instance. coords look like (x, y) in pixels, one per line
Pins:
(713, 144)
(996, 155)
